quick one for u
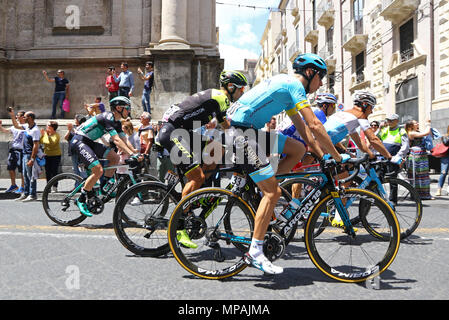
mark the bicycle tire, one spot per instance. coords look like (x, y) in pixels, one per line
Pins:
(367, 256)
(217, 256)
(57, 203)
(140, 218)
(311, 185)
(407, 198)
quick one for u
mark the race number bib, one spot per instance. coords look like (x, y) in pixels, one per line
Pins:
(170, 111)
(171, 178)
(238, 181)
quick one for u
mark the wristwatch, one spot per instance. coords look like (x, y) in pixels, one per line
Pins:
(33, 159)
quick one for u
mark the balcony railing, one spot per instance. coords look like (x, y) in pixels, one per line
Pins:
(354, 39)
(326, 13)
(407, 54)
(293, 51)
(310, 31)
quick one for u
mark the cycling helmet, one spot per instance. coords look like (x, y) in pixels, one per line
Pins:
(309, 60)
(363, 99)
(326, 98)
(120, 101)
(235, 77)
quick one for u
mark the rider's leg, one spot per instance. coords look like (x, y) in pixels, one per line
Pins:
(294, 151)
(297, 187)
(196, 179)
(114, 160)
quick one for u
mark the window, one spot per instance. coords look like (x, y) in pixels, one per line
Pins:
(331, 82)
(406, 38)
(314, 15)
(357, 12)
(360, 67)
(330, 40)
(407, 100)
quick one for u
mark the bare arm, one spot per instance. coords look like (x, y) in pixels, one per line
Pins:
(46, 76)
(123, 145)
(361, 144)
(320, 133)
(376, 143)
(306, 134)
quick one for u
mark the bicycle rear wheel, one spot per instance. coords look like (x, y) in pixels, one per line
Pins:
(353, 259)
(59, 199)
(220, 224)
(141, 216)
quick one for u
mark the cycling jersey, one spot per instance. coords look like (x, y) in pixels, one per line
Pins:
(267, 99)
(83, 143)
(96, 127)
(202, 106)
(339, 125)
(288, 129)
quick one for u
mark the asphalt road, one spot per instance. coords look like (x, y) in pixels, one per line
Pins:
(42, 261)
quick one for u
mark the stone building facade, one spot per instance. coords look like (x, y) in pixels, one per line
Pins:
(398, 49)
(85, 37)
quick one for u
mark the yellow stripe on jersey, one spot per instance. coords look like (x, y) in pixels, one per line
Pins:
(291, 111)
(302, 104)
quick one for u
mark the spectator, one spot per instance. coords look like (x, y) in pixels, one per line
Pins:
(396, 141)
(15, 153)
(125, 80)
(375, 126)
(128, 129)
(50, 140)
(96, 108)
(418, 162)
(31, 169)
(62, 91)
(145, 133)
(148, 77)
(271, 125)
(79, 120)
(111, 84)
(444, 166)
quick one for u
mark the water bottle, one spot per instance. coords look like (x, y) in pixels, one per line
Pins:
(109, 185)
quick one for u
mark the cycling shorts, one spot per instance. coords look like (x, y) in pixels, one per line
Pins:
(181, 146)
(253, 148)
(89, 152)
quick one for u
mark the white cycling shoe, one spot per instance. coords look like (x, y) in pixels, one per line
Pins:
(263, 264)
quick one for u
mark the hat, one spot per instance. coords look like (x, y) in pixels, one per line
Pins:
(394, 116)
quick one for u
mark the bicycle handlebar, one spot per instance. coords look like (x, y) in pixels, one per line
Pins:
(329, 164)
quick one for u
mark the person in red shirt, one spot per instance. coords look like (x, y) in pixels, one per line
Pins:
(111, 84)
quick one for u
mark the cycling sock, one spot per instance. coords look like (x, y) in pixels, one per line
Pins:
(83, 196)
(256, 248)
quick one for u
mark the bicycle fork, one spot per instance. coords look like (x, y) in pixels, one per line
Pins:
(343, 213)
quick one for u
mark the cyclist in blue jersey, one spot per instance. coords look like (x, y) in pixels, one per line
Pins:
(89, 152)
(251, 112)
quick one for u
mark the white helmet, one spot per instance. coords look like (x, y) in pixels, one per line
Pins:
(364, 97)
(328, 98)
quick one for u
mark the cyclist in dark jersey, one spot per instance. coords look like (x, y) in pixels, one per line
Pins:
(197, 110)
(89, 152)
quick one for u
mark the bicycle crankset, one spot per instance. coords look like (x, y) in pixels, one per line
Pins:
(196, 227)
(273, 246)
(95, 205)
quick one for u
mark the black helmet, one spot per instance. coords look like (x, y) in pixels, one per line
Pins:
(235, 77)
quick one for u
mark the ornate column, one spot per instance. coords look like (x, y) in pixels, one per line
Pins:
(174, 25)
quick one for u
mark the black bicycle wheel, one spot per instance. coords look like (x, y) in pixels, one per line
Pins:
(357, 258)
(141, 216)
(59, 199)
(407, 205)
(300, 188)
(220, 245)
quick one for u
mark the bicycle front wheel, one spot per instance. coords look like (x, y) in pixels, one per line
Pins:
(141, 216)
(59, 199)
(357, 258)
(406, 203)
(219, 227)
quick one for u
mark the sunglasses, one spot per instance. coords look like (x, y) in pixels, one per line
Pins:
(321, 73)
(374, 125)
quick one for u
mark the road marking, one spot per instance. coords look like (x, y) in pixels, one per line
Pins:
(55, 235)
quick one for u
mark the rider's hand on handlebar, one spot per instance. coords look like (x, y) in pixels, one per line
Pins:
(396, 160)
